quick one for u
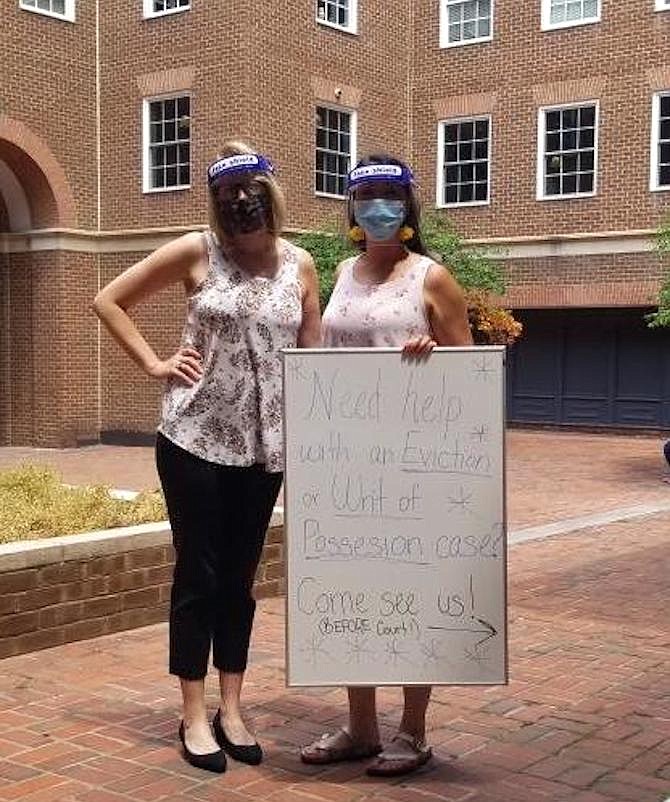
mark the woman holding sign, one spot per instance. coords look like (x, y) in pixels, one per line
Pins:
(219, 449)
(391, 295)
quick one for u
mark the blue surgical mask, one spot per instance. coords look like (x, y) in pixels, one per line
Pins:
(380, 218)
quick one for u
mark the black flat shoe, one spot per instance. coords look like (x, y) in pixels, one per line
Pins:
(212, 761)
(251, 754)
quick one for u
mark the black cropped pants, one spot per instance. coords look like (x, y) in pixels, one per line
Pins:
(219, 515)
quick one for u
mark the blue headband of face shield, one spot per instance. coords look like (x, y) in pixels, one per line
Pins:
(379, 172)
(241, 163)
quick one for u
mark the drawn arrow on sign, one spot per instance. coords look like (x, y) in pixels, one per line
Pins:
(488, 630)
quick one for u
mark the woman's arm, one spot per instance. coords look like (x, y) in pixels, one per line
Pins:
(446, 308)
(182, 261)
(309, 334)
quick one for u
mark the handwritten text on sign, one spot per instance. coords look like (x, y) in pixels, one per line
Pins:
(395, 517)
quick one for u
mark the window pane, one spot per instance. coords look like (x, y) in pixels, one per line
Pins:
(569, 184)
(665, 106)
(587, 115)
(664, 176)
(553, 185)
(569, 118)
(467, 193)
(466, 161)
(169, 163)
(569, 156)
(466, 131)
(586, 138)
(553, 120)
(586, 182)
(569, 140)
(450, 133)
(333, 146)
(465, 150)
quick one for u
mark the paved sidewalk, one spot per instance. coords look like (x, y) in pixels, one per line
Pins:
(586, 716)
(551, 475)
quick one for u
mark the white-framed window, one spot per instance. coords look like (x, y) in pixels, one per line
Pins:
(341, 14)
(662, 5)
(159, 8)
(62, 9)
(335, 149)
(567, 151)
(167, 143)
(464, 22)
(464, 161)
(566, 13)
(660, 141)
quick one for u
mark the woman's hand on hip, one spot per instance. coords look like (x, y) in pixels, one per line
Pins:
(185, 365)
(418, 347)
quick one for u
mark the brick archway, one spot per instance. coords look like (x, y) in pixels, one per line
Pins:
(40, 174)
(40, 296)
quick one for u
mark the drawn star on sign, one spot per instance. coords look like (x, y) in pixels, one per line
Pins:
(483, 370)
(314, 650)
(462, 501)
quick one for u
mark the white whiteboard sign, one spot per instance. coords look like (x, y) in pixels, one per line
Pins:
(395, 520)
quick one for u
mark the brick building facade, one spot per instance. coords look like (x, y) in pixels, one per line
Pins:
(542, 127)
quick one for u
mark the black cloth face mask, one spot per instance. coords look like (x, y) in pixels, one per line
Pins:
(244, 215)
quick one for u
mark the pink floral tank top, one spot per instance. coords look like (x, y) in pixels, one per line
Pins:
(238, 323)
(362, 315)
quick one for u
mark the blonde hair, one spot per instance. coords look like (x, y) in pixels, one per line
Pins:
(236, 147)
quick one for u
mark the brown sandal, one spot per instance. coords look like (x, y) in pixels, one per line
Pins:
(335, 748)
(410, 754)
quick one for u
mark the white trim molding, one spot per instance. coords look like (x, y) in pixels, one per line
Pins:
(439, 184)
(147, 189)
(548, 25)
(541, 195)
(148, 11)
(654, 161)
(445, 38)
(148, 239)
(353, 125)
(352, 13)
(33, 5)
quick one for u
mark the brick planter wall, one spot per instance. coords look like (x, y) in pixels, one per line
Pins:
(70, 588)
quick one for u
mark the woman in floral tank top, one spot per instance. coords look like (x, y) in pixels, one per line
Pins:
(391, 295)
(219, 452)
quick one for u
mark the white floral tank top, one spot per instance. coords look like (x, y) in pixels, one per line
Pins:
(238, 323)
(362, 315)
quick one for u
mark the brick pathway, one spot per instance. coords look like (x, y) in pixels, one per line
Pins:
(551, 475)
(586, 716)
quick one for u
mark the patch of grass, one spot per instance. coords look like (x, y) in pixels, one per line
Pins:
(34, 503)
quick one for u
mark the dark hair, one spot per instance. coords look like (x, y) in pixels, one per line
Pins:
(413, 216)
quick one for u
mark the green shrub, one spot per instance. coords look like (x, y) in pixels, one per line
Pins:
(661, 317)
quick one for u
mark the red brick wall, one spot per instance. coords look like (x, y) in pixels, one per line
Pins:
(49, 377)
(252, 78)
(56, 603)
(615, 61)
(48, 85)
